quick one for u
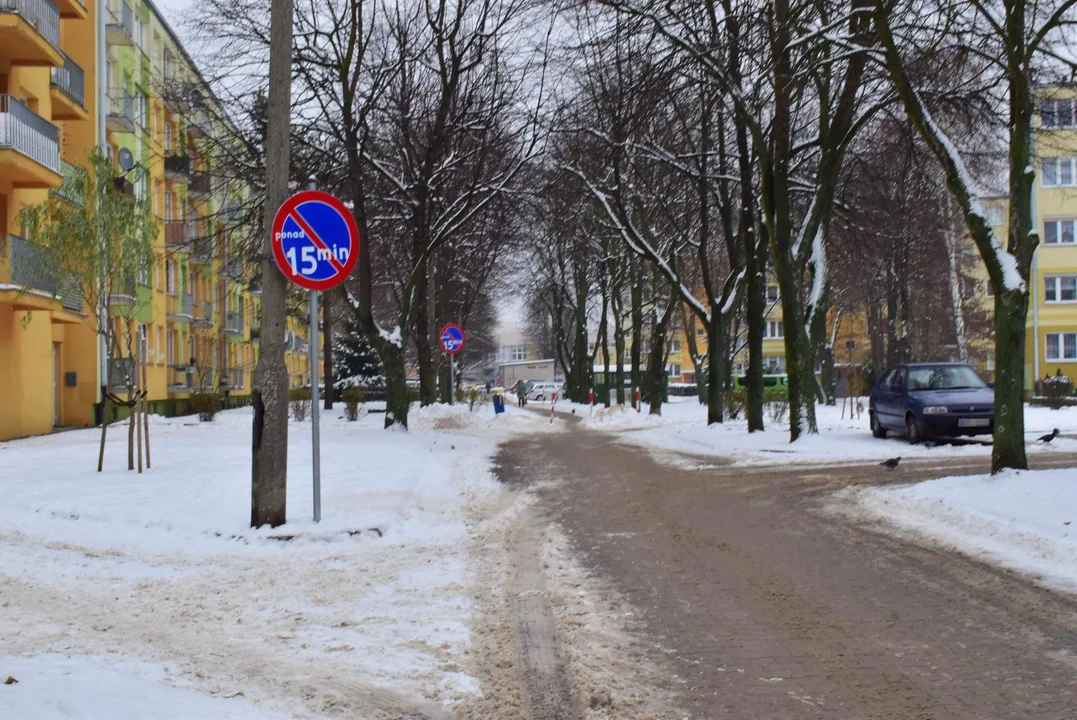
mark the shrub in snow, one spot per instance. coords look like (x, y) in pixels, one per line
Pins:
(207, 405)
(777, 400)
(734, 402)
(474, 397)
(300, 401)
(353, 398)
(1057, 390)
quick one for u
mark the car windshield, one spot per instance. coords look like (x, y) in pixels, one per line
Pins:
(943, 377)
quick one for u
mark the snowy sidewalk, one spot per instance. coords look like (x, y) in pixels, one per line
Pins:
(1022, 520)
(124, 591)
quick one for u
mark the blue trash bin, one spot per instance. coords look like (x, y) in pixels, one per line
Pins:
(499, 403)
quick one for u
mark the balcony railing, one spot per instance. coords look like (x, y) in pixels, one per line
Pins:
(121, 374)
(179, 233)
(178, 167)
(120, 24)
(203, 314)
(181, 308)
(32, 269)
(121, 110)
(203, 250)
(200, 185)
(44, 15)
(122, 292)
(24, 131)
(73, 185)
(233, 323)
(235, 378)
(233, 268)
(69, 79)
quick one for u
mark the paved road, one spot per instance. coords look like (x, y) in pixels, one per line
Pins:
(769, 607)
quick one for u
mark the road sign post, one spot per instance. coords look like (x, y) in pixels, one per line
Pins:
(316, 246)
(452, 340)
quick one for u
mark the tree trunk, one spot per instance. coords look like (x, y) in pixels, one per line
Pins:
(956, 303)
(269, 466)
(146, 416)
(637, 325)
(618, 345)
(327, 329)
(104, 426)
(397, 393)
(604, 332)
(688, 322)
(424, 322)
(137, 409)
(715, 360)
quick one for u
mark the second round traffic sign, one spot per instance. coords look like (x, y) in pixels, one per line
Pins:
(315, 240)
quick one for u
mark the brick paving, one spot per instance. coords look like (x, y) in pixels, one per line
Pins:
(766, 606)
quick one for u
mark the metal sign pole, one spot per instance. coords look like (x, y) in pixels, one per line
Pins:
(452, 379)
(314, 396)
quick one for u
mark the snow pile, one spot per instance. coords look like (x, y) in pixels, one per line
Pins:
(682, 428)
(1023, 520)
(161, 568)
(482, 418)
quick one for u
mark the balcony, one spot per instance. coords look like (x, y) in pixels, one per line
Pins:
(202, 252)
(67, 89)
(122, 293)
(178, 168)
(235, 379)
(29, 146)
(231, 213)
(74, 183)
(179, 308)
(256, 330)
(38, 281)
(233, 323)
(233, 269)
(198, 125)
(30, 33)
(200, 186)
(203, 314)
(121, 111)
(119, 24)
(179, 234)
(121, 375)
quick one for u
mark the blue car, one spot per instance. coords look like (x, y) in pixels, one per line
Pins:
(927, 400)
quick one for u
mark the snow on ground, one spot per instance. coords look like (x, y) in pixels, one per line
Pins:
(1023, 520)
(119, 589)
(682, 428)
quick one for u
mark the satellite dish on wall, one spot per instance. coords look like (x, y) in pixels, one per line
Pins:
(127, 160)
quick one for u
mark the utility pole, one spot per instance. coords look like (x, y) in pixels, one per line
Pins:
(269, 457)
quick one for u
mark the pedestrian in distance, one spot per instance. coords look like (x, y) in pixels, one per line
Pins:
(521, 393)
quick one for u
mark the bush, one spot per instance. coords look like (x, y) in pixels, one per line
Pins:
(474, 397)
(1057, 390)
(777, 404)
(207, 405)
(300, 401)
(734, 402)
(353, 399)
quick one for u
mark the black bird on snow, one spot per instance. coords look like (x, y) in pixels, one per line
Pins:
(891, 463)
(1049, 436)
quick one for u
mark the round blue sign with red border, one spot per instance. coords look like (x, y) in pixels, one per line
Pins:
(452, 338)
(315, 240)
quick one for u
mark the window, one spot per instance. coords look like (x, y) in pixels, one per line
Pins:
(774, 364)
(674, 371)
(160, 336)
(1058, 113)
(143, 274)
(701, 332)
(168, 136)
(1060, 288)
(772, 293)
(1058, 172)
(1062, 346)
(140, 27)
(773, 329)
(1058, 232)
(675, 347)
(141, 108)
(171, 347)
(168, 206)
(156, 276)
(995, 215)
(170, 277)
(513, 353)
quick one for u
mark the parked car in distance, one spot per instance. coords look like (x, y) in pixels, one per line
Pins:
(543, 391)
(927, 400)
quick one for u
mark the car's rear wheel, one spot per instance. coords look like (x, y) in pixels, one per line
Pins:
(915, 431)
(877, 430)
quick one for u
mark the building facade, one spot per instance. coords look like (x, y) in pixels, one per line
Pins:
(112, 74)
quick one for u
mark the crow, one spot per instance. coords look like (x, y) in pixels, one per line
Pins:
(891, 463)
(1049, 436)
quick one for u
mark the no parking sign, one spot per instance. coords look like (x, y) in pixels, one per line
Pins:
(315, 240)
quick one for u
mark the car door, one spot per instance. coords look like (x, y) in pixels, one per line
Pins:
(895, 400)
(880, 396)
